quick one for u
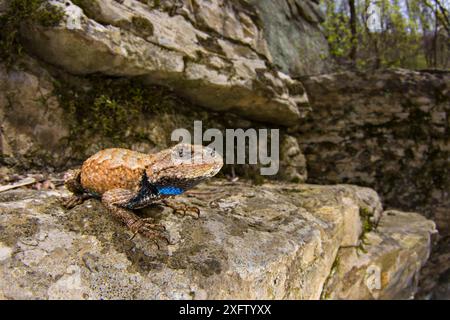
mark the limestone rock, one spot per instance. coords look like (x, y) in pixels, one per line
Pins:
(368, 272)
(388, 130)
(292, 162)
(32, 123)
(434, 282)
(275, 241)
(207, 51)
(294, 36)
(41, 122)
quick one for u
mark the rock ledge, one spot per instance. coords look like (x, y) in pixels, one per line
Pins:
(275, 241)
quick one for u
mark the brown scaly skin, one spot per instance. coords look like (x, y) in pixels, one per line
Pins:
(127, 180)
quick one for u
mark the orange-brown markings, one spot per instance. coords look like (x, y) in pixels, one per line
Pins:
(114, 168)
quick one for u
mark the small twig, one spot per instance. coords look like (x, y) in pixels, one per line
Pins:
(21, 183)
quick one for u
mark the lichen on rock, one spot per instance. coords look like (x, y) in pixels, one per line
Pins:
(275, 241)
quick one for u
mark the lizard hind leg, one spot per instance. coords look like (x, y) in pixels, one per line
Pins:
(72, 182)
(116, 201)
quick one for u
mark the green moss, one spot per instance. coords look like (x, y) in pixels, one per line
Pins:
(156, 3)
(367, 226)
(91, 8)
(296, 180)
(49, 16)
(142, 26)
(110, 107)
(325, 295)
(366, 217)
(19, 14)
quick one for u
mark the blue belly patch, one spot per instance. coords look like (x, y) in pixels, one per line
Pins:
(169, 191)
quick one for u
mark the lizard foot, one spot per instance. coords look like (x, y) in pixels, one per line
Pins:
(116, 201)
(74, 201)
(152, 231)
(183, 209)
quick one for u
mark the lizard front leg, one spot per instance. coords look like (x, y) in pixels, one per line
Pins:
(73, 183)
(116, 201)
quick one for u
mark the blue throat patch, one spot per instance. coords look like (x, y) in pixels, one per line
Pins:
(169, 191)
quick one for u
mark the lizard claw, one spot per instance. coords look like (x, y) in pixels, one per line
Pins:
(149, 230)
(183, 209)
(154, 226)
(74, 201)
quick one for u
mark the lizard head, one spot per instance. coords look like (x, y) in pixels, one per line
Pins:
(182, 167)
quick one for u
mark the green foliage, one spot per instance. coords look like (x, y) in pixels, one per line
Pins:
(156, 3)
(337, 31)
(19, 14)
(410, 34)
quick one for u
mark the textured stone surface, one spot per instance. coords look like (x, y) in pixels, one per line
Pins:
(272, 241)
(294, 36)
(388, 131)
(292, 160)
(435, 275)
(208, 51)
(393, 255)
(32, 123)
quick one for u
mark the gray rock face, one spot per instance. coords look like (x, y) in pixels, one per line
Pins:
(369, 273)
(269, 242)
(389, 131)
(30, 116)
(435, 281)
(294, 36)
(293, 161)
(211, 52)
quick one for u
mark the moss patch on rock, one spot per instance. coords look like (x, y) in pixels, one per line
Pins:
(19, 14)
(142, 26)
(368, 225)
(109, 107)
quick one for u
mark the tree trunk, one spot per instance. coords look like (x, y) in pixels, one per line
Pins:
(436, 33)
(354, 31)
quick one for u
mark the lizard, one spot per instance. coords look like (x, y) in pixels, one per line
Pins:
(126, 180)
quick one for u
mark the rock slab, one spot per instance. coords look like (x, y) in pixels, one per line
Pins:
(275, 241)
